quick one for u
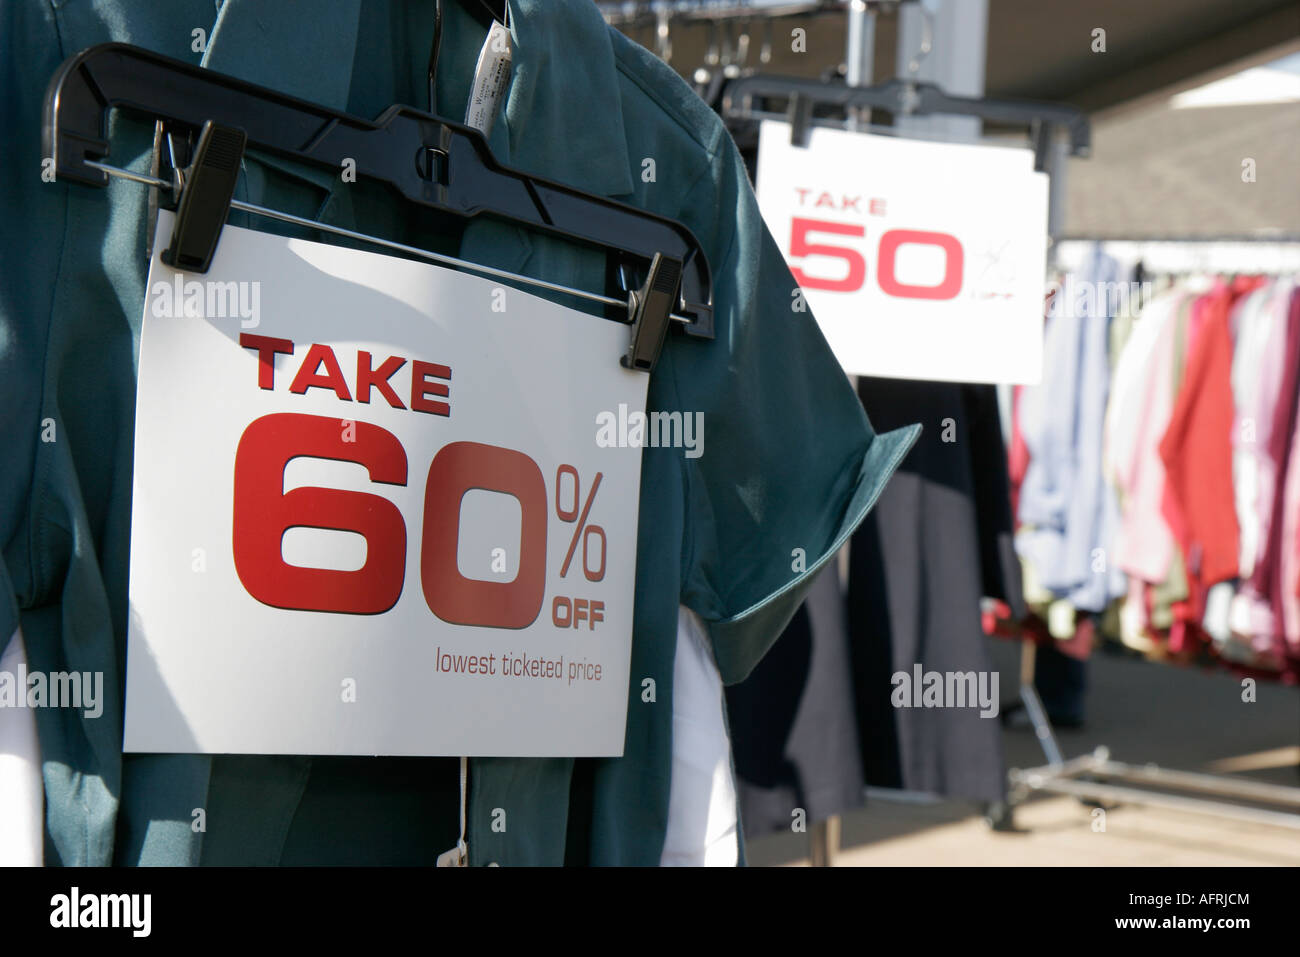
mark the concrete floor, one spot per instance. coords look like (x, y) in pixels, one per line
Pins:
(1176, 717)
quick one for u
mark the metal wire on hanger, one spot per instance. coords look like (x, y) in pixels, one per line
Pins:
(463, 264)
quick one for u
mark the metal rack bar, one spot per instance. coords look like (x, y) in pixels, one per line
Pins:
(1265, 254)
(1054, 782)
(1062, 777)
(1210, 783)
(629, 14)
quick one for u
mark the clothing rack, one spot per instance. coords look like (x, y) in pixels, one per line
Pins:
(1095, 778)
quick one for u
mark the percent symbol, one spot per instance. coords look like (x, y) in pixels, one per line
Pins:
(583, 530)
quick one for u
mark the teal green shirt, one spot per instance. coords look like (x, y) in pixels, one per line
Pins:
(790, 467)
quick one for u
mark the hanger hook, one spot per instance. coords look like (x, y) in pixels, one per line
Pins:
(663, 36)
(711, 56)
(742, 44)
(434, 48)
(927, 39)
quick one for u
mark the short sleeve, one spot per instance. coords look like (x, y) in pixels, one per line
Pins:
(790, 464)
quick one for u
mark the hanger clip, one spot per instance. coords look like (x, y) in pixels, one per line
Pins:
(205, 199)
(650, 307)
(1041, 134)
(799, 113)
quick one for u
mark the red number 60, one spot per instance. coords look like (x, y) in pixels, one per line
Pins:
(263, 512)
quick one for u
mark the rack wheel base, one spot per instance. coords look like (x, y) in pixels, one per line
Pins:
(1090, 802)
(1000, 815)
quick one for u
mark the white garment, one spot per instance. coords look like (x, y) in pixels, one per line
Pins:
(702, 794)
(1218, 602)
(1137, 415)
(1250, 337)
(22, 795)
(1255, 368)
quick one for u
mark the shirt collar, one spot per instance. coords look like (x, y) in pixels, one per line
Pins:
(564, 112)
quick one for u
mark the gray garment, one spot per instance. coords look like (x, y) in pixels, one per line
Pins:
(940, 540)
(793, 730)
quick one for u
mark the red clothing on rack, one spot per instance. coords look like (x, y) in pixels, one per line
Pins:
(1196, 449)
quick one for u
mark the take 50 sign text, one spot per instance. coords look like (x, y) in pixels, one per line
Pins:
(920, 260)
(375, 520)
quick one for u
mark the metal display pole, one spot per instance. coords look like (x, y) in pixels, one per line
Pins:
(957, 30)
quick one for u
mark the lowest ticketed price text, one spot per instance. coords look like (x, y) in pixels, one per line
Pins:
(518, 666)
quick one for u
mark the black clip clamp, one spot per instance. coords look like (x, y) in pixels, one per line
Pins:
(799, 113)
(209, 185)
(650, 308)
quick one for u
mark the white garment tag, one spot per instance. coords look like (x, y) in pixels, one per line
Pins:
(491, 78)
(456, 857)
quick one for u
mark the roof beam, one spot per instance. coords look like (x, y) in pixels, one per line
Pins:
(1248, 44)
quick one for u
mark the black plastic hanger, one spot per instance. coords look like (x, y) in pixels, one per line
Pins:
(904, 97)
(427, 160)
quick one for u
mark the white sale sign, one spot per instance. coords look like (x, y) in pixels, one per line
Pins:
(371, 514)
(920, 260)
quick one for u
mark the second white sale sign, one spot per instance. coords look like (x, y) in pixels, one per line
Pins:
(920, 260)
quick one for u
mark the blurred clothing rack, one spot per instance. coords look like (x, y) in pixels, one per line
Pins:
(1095, 779)
(1270, 256)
